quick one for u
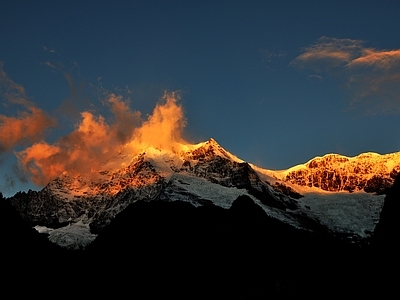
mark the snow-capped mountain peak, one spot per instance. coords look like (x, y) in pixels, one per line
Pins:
(207, 173)
(209, 149)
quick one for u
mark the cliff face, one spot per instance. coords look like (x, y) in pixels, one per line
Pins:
(369, 172)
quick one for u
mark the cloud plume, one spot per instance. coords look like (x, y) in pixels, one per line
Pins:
(372, 76)
(163, 129)
(95, 141)
(30, 124)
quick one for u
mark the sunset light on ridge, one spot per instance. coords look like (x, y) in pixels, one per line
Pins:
(275, 82)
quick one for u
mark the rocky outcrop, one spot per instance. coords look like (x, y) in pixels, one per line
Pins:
(217, 166)
(43, 208)
(370, 172)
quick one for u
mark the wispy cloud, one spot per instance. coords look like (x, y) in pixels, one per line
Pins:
(314, 78)
(77, 101)
(31, 122)
(372, 76)
(269, 56)
(379, 59)
(329, 52)
(47, 49)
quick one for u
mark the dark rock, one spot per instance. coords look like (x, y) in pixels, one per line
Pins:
(387, 231)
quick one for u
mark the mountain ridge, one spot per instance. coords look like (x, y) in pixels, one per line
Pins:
(71, 207)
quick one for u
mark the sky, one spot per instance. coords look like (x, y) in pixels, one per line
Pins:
(274, 82)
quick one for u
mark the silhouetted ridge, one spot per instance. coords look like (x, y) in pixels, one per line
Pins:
(387, 231)
(236, 253)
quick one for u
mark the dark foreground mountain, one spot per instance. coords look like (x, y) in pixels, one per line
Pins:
(173, 249)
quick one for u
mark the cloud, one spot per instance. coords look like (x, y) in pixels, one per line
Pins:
(163, 128)
(126, 121)
(30, 124)
(268, 57)
(372, 76)
(77, 101)
(314, 78)
(328, 53)
(12, 92)
(95, 140)
(8, 183)
(382, 60)
(47, 49)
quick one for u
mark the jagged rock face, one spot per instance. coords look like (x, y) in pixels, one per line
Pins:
(225, 172)
(206, 175)
(45, 209)
(137, 174)
(40, 208)
(370, 172)
(71, 198)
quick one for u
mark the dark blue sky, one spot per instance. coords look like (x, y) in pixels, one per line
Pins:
(274, 82)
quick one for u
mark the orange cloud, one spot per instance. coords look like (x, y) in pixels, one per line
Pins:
(328, 53)
(30, 124)
(41, 162)
(335, 57)
(385, 59)
(28, 127)
(94, 141)
(372, 76)
(164, 127)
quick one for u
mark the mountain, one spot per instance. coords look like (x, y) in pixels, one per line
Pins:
(331, 194)
(198, 222)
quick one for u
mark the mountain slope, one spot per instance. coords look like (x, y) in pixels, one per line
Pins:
(72, 210)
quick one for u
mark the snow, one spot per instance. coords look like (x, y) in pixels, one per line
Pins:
(74, 236)
(267, 175)
(184, 187)
(351, 213)
(43, 229)
(203, 189)
(354, 213)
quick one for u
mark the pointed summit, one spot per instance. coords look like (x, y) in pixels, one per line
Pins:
(210, 149)
(211, 141)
